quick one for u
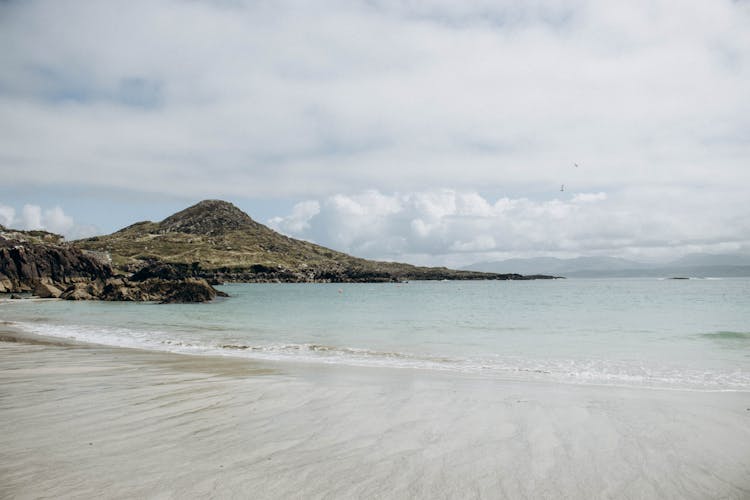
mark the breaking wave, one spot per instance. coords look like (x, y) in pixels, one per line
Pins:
(570, 371)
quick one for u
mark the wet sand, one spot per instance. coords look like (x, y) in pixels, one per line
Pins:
(83, 421)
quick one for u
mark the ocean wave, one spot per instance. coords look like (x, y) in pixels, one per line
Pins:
(726, 335)
(570, 371)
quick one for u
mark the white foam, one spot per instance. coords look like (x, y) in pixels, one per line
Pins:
(570, 371)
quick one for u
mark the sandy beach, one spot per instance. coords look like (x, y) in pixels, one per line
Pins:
(84, 421)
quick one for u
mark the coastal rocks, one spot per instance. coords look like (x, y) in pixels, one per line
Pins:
(5, 284)
(46, 290)
(81, 291)
(164, 291)
(185, 291)
(41, 263)
(30, 257)
(189, 290)
(367, 273)
(120, 289)
(167, 271)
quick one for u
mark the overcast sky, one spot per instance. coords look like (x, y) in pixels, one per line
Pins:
(433, 132)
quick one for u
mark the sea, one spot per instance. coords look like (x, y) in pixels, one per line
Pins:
(672, 334)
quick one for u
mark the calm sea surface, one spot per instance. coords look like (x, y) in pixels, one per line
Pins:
(676, 334)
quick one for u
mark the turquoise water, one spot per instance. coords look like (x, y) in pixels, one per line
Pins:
(679, 334)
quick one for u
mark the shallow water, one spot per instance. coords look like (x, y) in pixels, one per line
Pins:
(677, 334)
(83, 421)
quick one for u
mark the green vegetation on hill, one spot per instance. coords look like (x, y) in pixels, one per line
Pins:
(34, 236)
(221, 242)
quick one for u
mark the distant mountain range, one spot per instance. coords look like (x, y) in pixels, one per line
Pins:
(692, 265)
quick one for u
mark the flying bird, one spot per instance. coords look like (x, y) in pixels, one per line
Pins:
(575, 165)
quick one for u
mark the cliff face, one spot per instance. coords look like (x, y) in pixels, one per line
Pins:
(217, 241)
(30, 257)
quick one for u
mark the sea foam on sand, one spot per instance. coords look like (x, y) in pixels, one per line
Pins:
(84, 421)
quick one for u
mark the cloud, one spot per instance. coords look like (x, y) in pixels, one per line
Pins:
(31, 217)
(460, 227)
(284, 99)
(299, 220)
(589, 197)
(339, 102)
(7, 215)
(54, 220)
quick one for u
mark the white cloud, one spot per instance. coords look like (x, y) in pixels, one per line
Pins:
(455, 227)
(54, 220)
(299, 220)
(7, 215)
(31, 217)
(288, 100)
(295, 100)
(589, 197)
(481, 243)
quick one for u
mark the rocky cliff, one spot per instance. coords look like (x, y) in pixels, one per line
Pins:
(43, 264)
(30, 257)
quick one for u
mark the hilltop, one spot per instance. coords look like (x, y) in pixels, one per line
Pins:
(216, 240)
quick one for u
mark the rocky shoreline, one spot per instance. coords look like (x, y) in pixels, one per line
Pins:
(44, 265)
(259, 273)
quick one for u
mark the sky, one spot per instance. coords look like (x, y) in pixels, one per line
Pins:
(432, 132)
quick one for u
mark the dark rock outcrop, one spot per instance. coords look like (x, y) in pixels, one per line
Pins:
(183, 291)
(189, 290)
(46, 290)
(42, 263)
(166, 271)
(30, 258)
(82, 291)
(165, 291)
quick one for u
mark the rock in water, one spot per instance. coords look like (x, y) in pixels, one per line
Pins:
(189, 290)
(120, 289)
(160, 290)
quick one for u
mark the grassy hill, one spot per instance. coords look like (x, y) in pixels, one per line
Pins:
(216, 240)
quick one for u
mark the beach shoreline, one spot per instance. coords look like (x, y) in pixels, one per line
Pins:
(88, 420)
